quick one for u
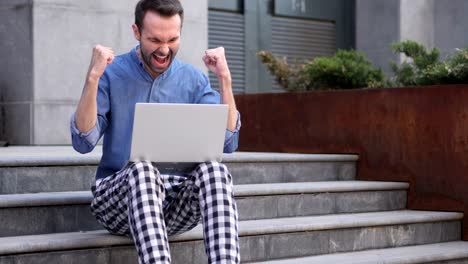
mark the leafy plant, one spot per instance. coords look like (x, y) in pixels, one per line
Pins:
(348, 69)
(290, 77)
(423, 66)
(351, 69)
(345, 70)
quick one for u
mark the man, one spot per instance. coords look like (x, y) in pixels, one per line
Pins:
(134, 199)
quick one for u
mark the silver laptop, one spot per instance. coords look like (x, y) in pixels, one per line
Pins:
(177, 137)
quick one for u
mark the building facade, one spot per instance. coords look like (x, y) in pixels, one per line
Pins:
(46, 45)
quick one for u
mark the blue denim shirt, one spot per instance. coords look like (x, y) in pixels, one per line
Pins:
(125, 83)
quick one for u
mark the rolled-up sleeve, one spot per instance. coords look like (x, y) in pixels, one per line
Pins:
(231, 140)
(209, 96)
(85, 142)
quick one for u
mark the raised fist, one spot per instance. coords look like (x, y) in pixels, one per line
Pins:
(102, 56)
(215, 60)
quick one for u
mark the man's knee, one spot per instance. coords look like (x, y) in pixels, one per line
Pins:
(144, 170)
(213, 171)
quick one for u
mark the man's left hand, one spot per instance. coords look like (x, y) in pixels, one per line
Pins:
(215, 60)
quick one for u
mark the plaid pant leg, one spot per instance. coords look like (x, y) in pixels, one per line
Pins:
(132, 201)
(207, 194)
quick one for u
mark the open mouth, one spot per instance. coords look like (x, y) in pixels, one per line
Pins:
(161, 60)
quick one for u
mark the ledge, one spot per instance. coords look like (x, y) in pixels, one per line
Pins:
(94, 239)
(16, 156)
(402, 255)
(242, 190)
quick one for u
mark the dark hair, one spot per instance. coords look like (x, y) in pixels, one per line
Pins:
(166, 8)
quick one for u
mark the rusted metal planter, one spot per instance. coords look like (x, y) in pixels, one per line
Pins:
(417, 135)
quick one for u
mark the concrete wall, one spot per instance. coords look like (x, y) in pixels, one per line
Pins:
(377, 26)
(16, 70)
(64, 32)
(434, 23)
(46, 47)
(194, 33)
(417, 21)
(450, 25)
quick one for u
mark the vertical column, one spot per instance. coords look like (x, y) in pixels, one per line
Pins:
(377, 27)
(194, 33)
(16, 71)
(257, 16)
(450, 25)
(417, 21)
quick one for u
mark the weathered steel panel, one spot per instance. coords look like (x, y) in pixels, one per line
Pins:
(417, 135)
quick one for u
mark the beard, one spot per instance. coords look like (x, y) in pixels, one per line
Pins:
(155, 61)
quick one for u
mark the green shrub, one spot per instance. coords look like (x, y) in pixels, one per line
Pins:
(423, 67)
(344, 70)
(351, 69)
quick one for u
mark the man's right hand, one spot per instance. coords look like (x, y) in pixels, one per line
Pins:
(102, 56)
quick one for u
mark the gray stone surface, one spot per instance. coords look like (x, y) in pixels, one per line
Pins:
(60, 168)
(188, 252)
(376, 14)
(450, 22)
(417, 21)
(81, 25)
(127, 255)
(296, 244)
(124, 255)
(27, 214)
(16, 53)
(72, 257)
(381, 58)
(253, 248)
(269, 172)
(17, 156)
(440, 253)
(456, 261)
(39, 37)
(65, 155)
(319, 204)
(370, 201)
(194, 33)
(377, 26)
(330, 241)
(45, 126)
(379, 23)
(354, 188)
(45, 199)
(46, 219)
(406, 222)
(448, 232)
(46, 179)
(15, 121)
(356, 239)
(347, 171)
(317, 187)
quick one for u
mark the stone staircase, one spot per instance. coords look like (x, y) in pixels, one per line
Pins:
(292, 208)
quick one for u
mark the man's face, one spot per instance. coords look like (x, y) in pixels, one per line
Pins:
(159, 41)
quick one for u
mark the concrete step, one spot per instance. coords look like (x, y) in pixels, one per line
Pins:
(260, 240)
(447, 253)
(40, 213)
(58, 169)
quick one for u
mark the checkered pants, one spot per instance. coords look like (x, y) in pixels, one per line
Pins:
(139, 201)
